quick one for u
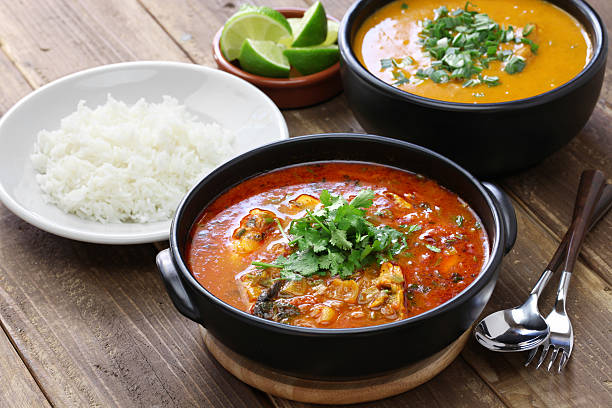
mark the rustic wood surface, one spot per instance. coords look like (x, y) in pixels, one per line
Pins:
(334, 392)
(91, 325)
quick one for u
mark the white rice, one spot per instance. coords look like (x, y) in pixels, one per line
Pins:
(122, 163)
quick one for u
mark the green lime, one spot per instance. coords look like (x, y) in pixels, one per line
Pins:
(312, 29)
(332, 33)
(264, 58)
(308, 60)
(294, 23)
(255, 23)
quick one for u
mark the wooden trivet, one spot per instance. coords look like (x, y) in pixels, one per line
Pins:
(332, 392)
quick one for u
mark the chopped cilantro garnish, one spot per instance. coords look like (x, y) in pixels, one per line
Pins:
(515, 64)
(404, 6)
(455, 277)
(491, 80)
(463, 42)
(534, 46)
(471, 82)
(386, 63)
(414, 228)
(459, 220)
(400, 78)
(433, 248)
(337, 239)
(528, 29)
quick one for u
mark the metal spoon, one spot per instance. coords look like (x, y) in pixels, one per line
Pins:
(523, 327)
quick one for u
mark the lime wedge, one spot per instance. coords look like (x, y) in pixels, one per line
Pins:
(255, 23)
(332, 33)
(263, 58)
(312, 29)
(308, 60)
(294, 23)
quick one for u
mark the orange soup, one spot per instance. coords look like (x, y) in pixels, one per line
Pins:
(337, 245)
(489, 51)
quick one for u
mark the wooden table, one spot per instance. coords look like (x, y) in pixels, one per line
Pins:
(91, 325)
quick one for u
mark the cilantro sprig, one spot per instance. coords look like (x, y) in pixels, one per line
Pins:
(337, 239)
(463, 42)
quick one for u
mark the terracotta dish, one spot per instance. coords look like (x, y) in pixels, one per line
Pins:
(295, 92)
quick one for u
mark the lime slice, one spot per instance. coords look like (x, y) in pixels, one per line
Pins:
(264, 58)
(255, 23)
(308, 60)
(332, 33)
(312, 29)
(294, 23)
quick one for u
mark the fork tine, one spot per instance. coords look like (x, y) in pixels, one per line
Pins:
(531, 355)
(543, 355)
(563, 361)
(553, 357)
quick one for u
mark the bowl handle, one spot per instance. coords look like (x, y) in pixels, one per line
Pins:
(175, 287)
(507, 212)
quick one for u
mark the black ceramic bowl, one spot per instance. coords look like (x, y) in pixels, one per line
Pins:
(337, 353)
(491, 139)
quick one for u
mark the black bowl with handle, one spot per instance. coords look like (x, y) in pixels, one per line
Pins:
(337, 353)
(488, 139)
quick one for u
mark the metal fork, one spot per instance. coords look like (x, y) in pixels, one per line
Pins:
(561, 339)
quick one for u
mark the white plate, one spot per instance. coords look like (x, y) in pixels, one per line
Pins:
(210, 94)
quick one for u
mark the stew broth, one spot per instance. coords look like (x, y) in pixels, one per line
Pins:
(445, 250)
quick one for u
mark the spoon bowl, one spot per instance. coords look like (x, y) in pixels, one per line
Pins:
(517, 329)
(523, 327)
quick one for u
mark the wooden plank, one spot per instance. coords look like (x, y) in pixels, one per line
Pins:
(17, 386)
(50, 38)
(96, 326)
(549, 189)
(94, 322)
(458, 386)
(586, 380)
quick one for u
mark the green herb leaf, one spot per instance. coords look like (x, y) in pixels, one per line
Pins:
(463, 42)
(528, 29)
(515, 64)
(414, 228)
(459, 220)
(337, 239)
(404, 6)
(534, 46)
(386, 63)
(455, 277)
(400, 78)
(433, 248)
(491, 80)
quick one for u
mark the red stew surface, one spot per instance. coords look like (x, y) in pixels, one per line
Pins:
(446, 247)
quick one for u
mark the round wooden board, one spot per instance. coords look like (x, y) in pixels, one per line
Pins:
(333, 392)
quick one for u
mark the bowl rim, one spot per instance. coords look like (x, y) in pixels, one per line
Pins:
(269, 82)
(600, 50)
(487, 271)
